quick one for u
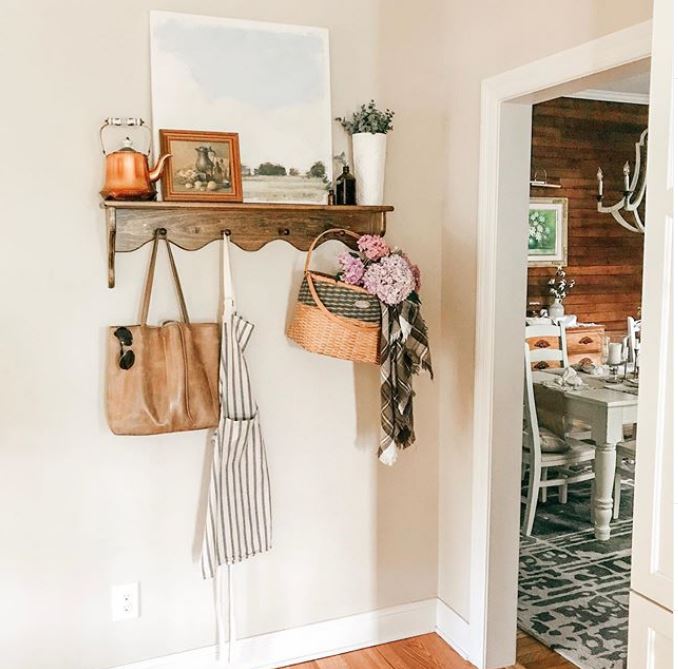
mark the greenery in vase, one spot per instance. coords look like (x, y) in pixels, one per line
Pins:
(368, 119)
(559, 285)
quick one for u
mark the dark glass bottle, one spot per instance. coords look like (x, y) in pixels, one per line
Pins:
(345, 187)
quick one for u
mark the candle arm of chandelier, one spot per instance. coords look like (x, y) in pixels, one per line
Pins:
(639, 224)
(636, 172)
(634, 191)
(632, 205)
(611, 209)
(626, 203)
(639, 227)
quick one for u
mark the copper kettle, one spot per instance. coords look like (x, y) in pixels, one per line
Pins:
(128, 176)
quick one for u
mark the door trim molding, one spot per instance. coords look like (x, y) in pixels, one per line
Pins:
(494, 552)
(652, 562)
(613, 96)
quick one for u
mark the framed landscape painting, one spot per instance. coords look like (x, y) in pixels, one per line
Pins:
(547, 235)
(267, 82)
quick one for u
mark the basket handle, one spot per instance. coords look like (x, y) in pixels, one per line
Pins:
(358, 325)
(316, 241)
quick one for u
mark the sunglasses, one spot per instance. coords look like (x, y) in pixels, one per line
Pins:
(124, 336)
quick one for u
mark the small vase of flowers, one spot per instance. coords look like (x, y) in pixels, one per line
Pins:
(368, 127)
(559, 286)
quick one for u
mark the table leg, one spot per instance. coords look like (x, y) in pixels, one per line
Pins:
(605, 463)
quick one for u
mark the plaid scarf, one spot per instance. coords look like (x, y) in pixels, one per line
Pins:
(404, 352)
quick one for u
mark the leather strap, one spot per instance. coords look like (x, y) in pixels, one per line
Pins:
(227, 279)
(148, 287)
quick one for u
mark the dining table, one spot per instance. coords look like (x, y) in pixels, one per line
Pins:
(606, 408)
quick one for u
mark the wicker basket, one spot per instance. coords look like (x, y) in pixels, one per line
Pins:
(334, 318)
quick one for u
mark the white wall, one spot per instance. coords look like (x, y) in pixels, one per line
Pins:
(81, 509)
(486, 38)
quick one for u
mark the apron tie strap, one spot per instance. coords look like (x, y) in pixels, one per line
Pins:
(229, 305)
(221, 602)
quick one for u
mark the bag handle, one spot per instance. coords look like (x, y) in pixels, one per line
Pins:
(148, 287)
(358, 325)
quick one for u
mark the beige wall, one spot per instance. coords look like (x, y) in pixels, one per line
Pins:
(81, 509)
(484, 38)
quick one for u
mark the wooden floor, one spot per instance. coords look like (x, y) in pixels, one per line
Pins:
(532, 654)
(431, 652)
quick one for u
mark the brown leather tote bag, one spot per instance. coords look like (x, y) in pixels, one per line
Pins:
(162, 379)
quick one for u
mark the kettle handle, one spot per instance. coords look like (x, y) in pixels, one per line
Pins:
(130, 122)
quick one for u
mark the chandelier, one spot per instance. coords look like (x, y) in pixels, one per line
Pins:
(634, 190)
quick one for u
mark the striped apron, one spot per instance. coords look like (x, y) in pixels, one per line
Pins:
(238, 523)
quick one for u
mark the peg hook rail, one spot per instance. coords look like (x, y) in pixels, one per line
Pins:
(192, 225)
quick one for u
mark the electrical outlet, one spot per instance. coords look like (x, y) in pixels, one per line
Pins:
(125, 601)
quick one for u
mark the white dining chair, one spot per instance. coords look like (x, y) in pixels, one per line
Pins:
(542, 350)
(626, 458)
(544, 450)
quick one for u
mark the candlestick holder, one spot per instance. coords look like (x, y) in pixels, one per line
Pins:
(636, 368)
(614, 377)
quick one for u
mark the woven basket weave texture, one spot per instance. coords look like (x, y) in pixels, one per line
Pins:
(334, 318)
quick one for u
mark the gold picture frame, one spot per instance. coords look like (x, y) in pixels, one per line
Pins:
(203, 167)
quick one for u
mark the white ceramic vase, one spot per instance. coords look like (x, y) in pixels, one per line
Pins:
(369, 162)
(557, 309)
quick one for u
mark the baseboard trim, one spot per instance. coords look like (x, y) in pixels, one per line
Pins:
(453, 629)
(300, 644)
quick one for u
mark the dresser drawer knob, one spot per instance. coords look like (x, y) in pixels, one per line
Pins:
(542, 343)
(586, 340)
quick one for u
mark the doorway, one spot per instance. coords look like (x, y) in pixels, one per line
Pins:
(507, 102)
(583, 298)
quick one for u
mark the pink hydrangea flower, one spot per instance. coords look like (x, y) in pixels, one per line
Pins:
(391, 279)
(352, 268)
(373, 247)
(416, 272)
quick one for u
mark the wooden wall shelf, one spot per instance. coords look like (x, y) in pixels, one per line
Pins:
(192, 225)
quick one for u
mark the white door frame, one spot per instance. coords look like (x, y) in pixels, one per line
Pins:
(505, 138)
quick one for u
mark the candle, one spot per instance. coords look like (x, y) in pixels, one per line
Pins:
(600, 182)
(615, 354)
(627, 171)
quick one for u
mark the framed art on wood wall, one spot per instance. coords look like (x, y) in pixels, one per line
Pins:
(547, 236)
(203, 166)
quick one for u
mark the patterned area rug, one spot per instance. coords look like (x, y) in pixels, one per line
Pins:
(573, 591)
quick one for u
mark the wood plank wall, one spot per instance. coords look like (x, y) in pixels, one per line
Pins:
(570, 139)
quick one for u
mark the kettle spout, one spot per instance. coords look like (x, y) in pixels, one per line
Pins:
(155, 173)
